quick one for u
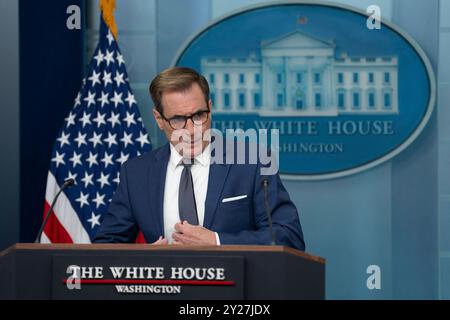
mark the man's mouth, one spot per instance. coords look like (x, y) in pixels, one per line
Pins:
(192, 142)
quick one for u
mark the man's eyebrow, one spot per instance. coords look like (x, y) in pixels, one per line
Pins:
(188, 115)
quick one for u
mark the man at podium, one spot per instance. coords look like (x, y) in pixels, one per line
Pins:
(178, 195)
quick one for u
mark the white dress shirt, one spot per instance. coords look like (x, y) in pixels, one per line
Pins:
(200, 175)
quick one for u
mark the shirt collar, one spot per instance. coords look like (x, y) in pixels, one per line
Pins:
(203, 159)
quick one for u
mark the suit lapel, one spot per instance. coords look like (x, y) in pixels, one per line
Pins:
(217, 176)
(157, 181)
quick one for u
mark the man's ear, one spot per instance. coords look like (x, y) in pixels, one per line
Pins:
(158, 118)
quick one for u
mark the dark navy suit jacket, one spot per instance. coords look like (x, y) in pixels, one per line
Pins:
(138, 204)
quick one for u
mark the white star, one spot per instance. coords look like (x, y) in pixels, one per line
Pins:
(120, 60)
(100, 119)
(117, 99)
(99, 57)
(129, 119)
(103, 180)
(81, 139)
(119, 79)
(64, 139)
(59, 159)
(96, 139)
(99, 200)
(94, 220)
(109, 57)
(87, 180)
(143, 139)
(110, 37)
(130, 99)
(117, 178)
(78, 99)
(127, 139)
(114, 119)
(106, 78)
(83, 199)
(123, 158)
(70, 120)
(86, 119)
(90, 99)
(76, 159)
(107, 160)
(92, 159)
(111, 139)
(104, 99)
(72, 176)
(95, 78)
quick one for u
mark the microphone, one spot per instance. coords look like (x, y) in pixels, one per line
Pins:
(67, 184)
(265, 183)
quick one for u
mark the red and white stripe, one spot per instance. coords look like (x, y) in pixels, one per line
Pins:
(64, 225)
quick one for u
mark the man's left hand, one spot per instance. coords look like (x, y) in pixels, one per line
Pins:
(189, 234)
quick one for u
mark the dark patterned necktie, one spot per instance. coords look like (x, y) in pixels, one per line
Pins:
(186, 198)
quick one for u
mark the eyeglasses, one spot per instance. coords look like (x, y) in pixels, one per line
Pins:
(179, 122)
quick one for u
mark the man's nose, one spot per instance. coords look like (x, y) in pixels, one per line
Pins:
(190, 126)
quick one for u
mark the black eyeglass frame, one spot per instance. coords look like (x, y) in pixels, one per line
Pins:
(186, 118)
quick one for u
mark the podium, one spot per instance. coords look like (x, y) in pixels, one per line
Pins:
(136, 271)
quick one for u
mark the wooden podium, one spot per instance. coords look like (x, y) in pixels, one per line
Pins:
(135, 271)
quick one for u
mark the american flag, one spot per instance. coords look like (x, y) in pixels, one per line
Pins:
(103, 130)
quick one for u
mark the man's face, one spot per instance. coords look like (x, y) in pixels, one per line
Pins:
(184, 103)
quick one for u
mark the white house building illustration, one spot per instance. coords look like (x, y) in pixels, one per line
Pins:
(299, 75)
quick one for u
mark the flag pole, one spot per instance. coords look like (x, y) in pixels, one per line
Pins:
(107, 7)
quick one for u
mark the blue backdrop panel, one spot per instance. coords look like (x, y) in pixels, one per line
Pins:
(50, 76)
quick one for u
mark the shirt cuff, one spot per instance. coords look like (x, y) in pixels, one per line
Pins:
(217, 239)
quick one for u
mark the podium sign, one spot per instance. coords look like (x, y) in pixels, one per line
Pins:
(155, 277)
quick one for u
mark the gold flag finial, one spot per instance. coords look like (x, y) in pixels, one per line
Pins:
(107, 7)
